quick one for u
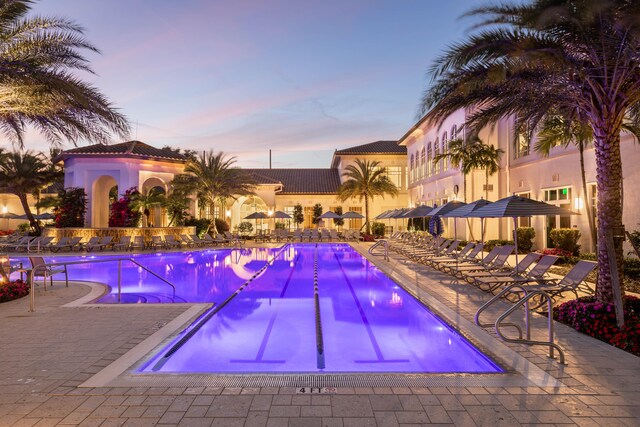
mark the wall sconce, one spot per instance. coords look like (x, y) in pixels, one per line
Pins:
(578, 203)
(5, 209)
(228, 213)
(270, 212)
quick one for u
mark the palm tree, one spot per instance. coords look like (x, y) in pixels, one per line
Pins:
(39, 56)
(365, 180)
(488, 158)
(578, 58)
(145, 202)
(212, 177)
(22, 173)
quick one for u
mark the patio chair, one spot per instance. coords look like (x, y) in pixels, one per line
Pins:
(234, 238)
(209, 240)
(23, 243)
(138, 243)
(451, 255)
(522, 267)
(297, 235)
(60, 244)
(101, 243)
(333, 235)
(355, 236)
(197, 241)
(124, 244)
(41, 269)
(315, 235)
(471, 256)
(499, 263)
(171, 242)
(537, 272)
(456, 269)
(93, 241)
(306, 234)
(157, 242)
(187, 241)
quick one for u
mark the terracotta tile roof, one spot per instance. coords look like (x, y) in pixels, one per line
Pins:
(299, 181)
(129, 148)
(378, 147)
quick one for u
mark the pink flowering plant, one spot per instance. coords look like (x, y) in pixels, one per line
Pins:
(599, 321)
(13, 290)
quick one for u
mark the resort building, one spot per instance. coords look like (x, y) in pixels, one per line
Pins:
(101, 169)
(555, 179)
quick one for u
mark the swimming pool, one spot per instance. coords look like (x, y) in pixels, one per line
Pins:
(301, 308)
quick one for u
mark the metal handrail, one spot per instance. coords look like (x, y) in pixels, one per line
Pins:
(384, 243)
(31, 274)
(523, 301)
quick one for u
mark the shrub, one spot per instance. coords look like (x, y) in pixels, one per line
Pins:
(418, 224)
(122, 212)
(567, 239)
(566, 257)
(202, 225)
(589, 256)
(377, 228)
(72, 206)
(634, 237)
(339, 222)
(298, 215)
(490, 244)
(525, 239)
(368, 238)
(13, 290)
(221, 225)
(598, 320)
(632, 268)
(281, 225)
(317, 212)
(245, 228)
(24, 227)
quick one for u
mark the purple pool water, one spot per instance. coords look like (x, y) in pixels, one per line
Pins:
(363, 322)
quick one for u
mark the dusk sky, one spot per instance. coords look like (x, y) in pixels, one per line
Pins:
(300, 77)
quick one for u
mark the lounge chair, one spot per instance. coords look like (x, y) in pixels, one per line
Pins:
(459, 268)
(124, 244)
(187, 241)
(101, 243)
(573, 282)
(333, 234)
(197, 241)
(60, 244)
(451, 256)
(41, 269)
(315, 235)
(234, 238)
(23, 243)
(171, 242)
(306, 234)
(499, 263)
(471, 257)
(537, 273)
(297, 235)
(522, 267)
(138, 243)
(93, 241)
(157, 242)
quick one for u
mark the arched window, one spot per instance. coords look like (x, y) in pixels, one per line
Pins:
(436, 152)
(422, 159)
(429, 160)
(445, 149)
(412, 168)
(454, 132)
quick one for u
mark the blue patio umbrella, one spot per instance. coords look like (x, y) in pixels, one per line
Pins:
(466, 211)
(436, 227)
(421, 211)
(445, 209)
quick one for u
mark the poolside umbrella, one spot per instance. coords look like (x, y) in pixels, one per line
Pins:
(399, 214)
(330, 215)
(445, 209)
(42, 216)
(383, 215)
(8, 216)
(466, 211)
(421, 211)
(351, 215)
(257, 216)
(281, 215)
(436, 228)
(516, 206)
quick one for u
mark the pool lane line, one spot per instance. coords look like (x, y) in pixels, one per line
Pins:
(267, 334)
(193, 328)
(320, 360)
(367, 325)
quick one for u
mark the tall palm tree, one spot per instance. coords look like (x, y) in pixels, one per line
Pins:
(365, 179)
(22, 173)
(212, 177)
(38, 86)
(145, 202)
(488, 158)
(528, 59)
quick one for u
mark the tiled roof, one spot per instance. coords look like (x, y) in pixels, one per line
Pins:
(130, 148)
(378, 147)
(299, 181)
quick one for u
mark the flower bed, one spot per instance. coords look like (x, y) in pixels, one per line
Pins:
(599, 321)
(13, 290)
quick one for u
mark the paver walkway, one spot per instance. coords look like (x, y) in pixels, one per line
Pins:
(45, 355)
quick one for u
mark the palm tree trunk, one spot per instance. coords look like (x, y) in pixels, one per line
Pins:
(587, 204)
(366, 213)
(608, 208)
(486, 184)
(25, 206)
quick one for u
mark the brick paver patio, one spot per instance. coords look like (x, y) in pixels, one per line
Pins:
(46, 355)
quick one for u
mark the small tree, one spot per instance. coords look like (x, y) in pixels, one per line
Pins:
(317, 212)
(298, 216)
(339, 222)
(176, 206)
(71, 208)
(123, 213)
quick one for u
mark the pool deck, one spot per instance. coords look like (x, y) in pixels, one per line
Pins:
(46, 356)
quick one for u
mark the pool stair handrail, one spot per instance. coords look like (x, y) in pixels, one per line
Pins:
(527, 295)
(31, 275)
(382, 243)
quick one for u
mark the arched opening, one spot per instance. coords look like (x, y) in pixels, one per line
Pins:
(251, 205)
(156, 214)
(100, 200)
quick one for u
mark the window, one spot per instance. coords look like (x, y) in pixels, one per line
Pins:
(445, 149)
(355, 223)
(412, 168)
(557, 194)
(524, 221)
(522, 144)
(436, 153)
(454, 132)
(422, 159)
(593, 193)
(394, 173)
(429, 165)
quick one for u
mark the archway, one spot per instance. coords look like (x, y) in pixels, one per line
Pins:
(99, 200)
(157, 214)
(251, 205)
